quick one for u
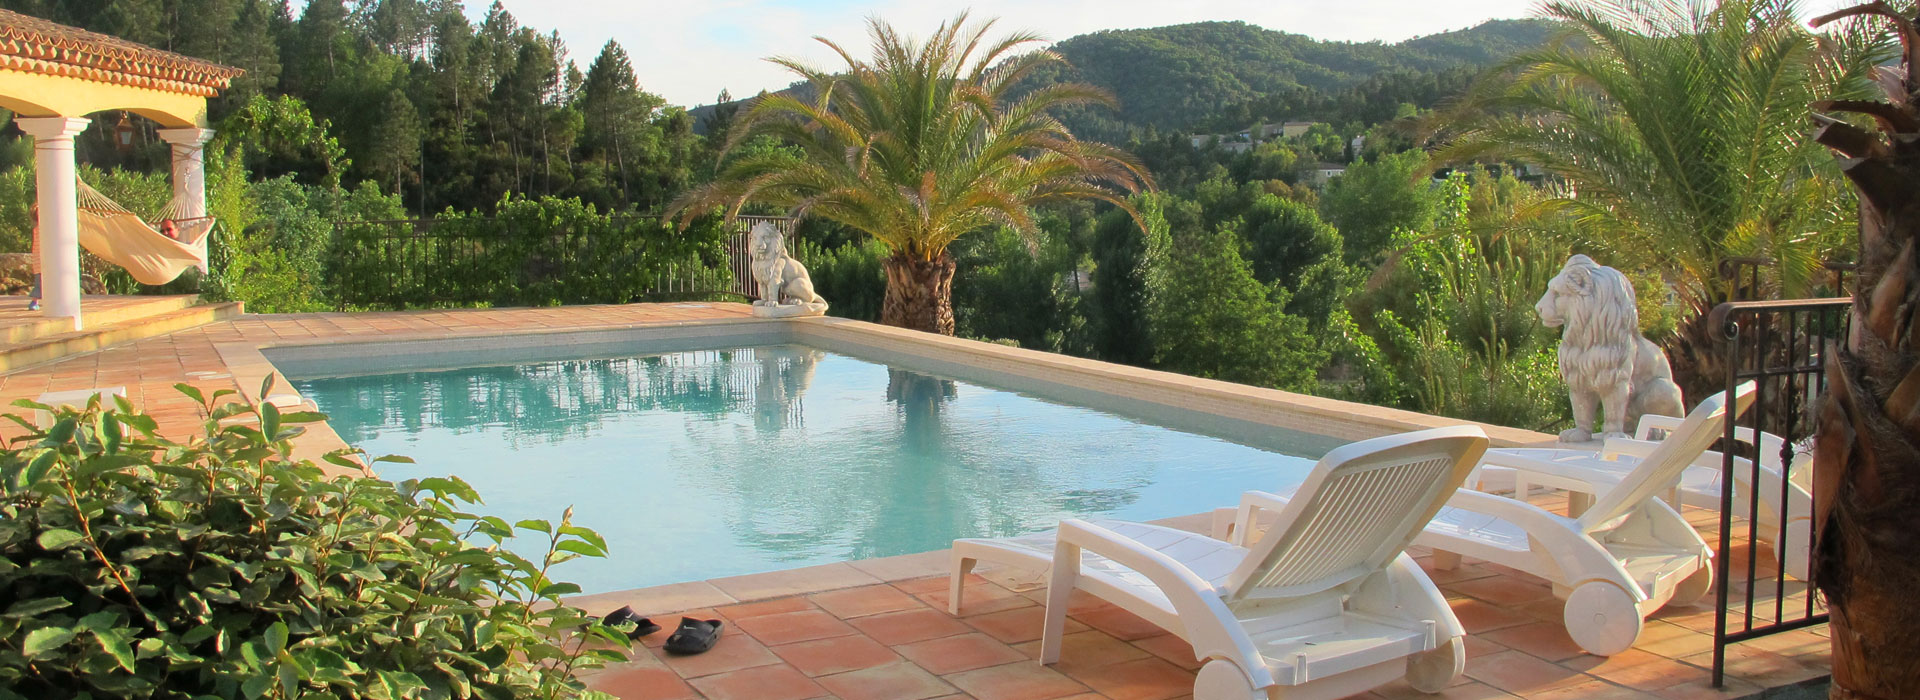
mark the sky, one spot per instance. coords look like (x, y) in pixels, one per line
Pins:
(688, 50)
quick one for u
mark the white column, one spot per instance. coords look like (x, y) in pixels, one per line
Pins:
(189, 170)
(59, 218)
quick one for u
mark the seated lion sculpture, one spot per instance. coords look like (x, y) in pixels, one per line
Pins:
(1603, 357)
(785, 288)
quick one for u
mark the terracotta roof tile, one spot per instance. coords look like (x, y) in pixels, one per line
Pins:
(36, 45)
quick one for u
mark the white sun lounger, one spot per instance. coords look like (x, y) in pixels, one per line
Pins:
(1699, 485)
(1326, 604)
(1626, 556)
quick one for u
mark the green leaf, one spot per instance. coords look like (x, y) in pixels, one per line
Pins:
(276, 638)
(198, 634)
(45, 639)
(117, 647)
(53, 540)
(586, 534)
(559, 589)
(257, 685)
(540, 526)
(269, 418)
(36, 606)
(192, 392)
(38, 469)
(61, 432)
(579, 547)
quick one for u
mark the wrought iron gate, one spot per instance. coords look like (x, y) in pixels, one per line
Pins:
(1766, 507)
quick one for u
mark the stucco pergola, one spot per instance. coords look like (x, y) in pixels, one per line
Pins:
(51, 77)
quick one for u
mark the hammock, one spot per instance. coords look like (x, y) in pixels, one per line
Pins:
(122, 238)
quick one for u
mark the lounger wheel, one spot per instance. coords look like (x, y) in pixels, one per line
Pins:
(1221, 680)
(1694, 587)
(1602, 618)
(1432, 671)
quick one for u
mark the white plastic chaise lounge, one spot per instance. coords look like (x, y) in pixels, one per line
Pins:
(1699, 486)
(1326, 604)
(1626, 556)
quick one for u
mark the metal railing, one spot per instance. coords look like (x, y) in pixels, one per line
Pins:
(413, 263)
(1766, 484)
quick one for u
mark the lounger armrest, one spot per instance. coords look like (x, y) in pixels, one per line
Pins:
(1528, 516)
(1576, 554)
(1251, 503)
(1210, 626)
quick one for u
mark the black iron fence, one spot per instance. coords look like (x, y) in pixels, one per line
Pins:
(468, 261)
(1766, 499)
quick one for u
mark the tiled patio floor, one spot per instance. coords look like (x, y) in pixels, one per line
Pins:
(888, 638)
(896, 641)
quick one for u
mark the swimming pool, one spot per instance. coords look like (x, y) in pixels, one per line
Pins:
(697, 464)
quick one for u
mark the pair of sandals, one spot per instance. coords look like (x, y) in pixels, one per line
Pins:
(693, 636)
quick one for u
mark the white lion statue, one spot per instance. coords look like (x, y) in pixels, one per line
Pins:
(1603, 357)
(785, 288)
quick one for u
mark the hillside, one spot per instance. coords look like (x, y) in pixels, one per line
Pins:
(1170, 77)
(1176, 77)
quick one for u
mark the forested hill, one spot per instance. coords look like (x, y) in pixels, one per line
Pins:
(1173, 77)
(1190, 76)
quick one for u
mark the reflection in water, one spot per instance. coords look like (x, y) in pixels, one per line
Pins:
(703, 464)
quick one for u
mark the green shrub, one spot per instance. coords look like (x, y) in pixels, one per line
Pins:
(527, 252)
(222, 567)
(850, 277)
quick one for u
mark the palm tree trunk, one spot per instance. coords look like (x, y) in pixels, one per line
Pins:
(919, 293)
(1698, 358)
(1867, 458)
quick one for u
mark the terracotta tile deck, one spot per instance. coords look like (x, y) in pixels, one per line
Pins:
(898, 641)
(878, 629)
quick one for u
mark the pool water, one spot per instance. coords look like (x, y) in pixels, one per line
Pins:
(698, 465)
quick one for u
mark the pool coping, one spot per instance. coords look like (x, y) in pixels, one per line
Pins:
(250, 366)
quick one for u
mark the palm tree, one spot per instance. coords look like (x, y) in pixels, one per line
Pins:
(1677, 125)
(1867, 458)
(921, 144)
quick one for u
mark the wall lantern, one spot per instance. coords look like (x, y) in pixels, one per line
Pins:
(123, 134)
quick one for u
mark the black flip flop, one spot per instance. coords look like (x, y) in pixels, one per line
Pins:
(694, 636)
(641, 626)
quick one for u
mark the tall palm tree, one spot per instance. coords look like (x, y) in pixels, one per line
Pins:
(919, 145)
(1677, 125)
(1867, 458)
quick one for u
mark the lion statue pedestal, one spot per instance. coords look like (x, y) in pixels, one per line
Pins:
(1603, 358)
(786, 291)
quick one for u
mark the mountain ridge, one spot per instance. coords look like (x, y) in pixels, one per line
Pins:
(1180, 76)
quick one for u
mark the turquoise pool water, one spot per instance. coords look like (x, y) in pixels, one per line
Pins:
(698, 465)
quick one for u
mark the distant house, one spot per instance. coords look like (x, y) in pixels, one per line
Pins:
(1236, 146)
(1322, 172)
(1295, 129)
(1199, 141)
(1283, 130)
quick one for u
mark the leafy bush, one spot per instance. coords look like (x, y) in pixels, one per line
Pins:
(1006, 290)
(528, 252)
(1449, 326)
(850, 277)
(222, 567)
(1209, 317)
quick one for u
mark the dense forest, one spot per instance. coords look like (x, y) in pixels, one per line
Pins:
(1383, 284)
